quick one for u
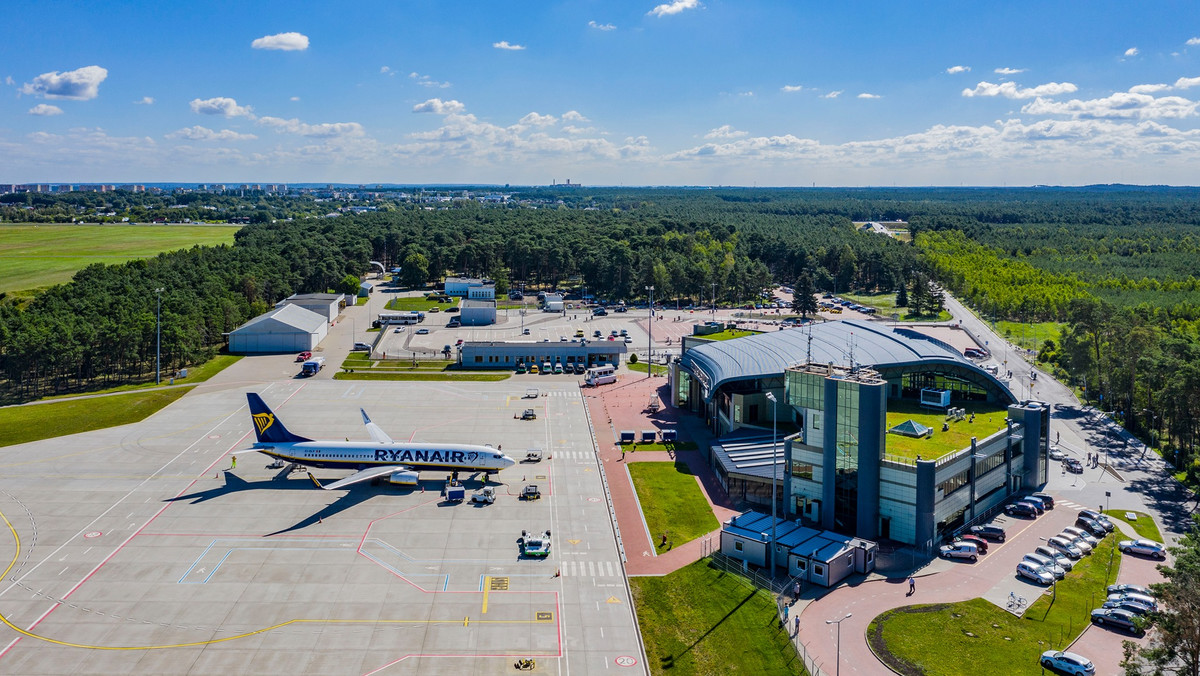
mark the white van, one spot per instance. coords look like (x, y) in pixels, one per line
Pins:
(601, 375)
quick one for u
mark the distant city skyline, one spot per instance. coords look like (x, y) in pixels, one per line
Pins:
(681, 92)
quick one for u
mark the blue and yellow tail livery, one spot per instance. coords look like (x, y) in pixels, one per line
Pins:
(268, 428)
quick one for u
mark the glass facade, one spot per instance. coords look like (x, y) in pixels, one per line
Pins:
(846, 476)
(806, 390)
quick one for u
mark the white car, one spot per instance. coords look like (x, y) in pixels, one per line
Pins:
(1059, 558)
(1047, 564)
(1067, 663)
(422, 332)
(1144, 548)
(960, 550)
(398, 329)
(1057, 454)
(1066, 547)
(1083, 545)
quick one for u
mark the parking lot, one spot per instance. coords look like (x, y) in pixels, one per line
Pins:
(138, 549)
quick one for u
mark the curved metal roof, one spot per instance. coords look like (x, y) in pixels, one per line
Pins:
(874, 345)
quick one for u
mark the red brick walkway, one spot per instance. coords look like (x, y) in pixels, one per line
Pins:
(623, 406)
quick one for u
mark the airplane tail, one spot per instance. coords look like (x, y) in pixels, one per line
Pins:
(267, 427)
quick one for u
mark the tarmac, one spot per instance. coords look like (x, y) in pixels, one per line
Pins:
(141, 550)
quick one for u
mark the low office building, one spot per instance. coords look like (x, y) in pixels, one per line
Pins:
(328, 305)
(810, 555)
(477, 312)
(287, 328)
(470, 287)
(834, 463)
(506, 355)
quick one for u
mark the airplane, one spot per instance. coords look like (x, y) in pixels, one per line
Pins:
(400, 462)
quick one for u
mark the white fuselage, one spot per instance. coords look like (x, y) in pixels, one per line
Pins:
(361, 455)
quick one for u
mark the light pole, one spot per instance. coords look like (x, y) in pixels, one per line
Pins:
(714, 299)
(650, 336)
(838, 660)
(158, 340)
(774, 470)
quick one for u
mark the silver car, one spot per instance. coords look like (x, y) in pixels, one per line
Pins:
(1082, 535)
(1047, 564)
(1059, 558)
(1142, 600)
(1067, 663)
(1143, 547)
(1066, 547)
(1083, 545)
(1031, 571)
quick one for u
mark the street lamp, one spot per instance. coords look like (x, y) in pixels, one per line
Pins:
(838, 659)
(774, 470)
(714, 299)
(158, 341)
(650, 335)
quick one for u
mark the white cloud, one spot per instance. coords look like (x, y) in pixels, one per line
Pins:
(198, 133)
(386, 70)
(325, 130)
(867, 95)
(45, 110)
(668, 8)
(1192, 42)
(574, 116)
(503, 44)
(81, 84)
(954, 70)
(144, 101)
(294, 98)
(221, 105)
(602, 26)
(439, 107)
(287, 42)
(832, 95)
(1010, 71)
(9, 81)
(725, 131)
(538, 120)
(1121, 105)
(791, 88)
(426, 81)
(576, 131)
(1187, 82)
(1132, 51)
(1010, 90)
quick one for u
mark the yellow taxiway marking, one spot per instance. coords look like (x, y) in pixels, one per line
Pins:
(17, 554)
(487, 585)
(613, 599)
(574, 542)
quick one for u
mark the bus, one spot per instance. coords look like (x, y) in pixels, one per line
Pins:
(401, 317)
(600, 375)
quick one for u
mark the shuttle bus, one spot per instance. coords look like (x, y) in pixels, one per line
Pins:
(600, 375)
(401, 317)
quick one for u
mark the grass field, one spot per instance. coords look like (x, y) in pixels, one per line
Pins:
(21, 424)
(35, 256)
(1030, 336)
(196, 375)
(938, 639)
(418, 304)
(673, 446)
(700, 621)
(1144, 526)
(729, 334)
(672, 501)
(358, 366)
(988, 420)
(885, 302)
(642, 367)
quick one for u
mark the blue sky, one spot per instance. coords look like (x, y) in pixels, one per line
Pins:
(602, 92)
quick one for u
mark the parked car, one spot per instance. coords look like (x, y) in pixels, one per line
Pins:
(580, 368)
(1096, 528)
(1146, 602)
(994, 533)
(1033, 502)
(1021, 509)
(1035, 573)
(362, 346)
(1067, 663)
(1098, 518)
(1083, 535)
(977, 541)
(1066, 547)
(1120, 619)
(1073, 465)
(1130, 605)
(1046, 498)
(1047, 564)
(960, 550)
(1083, 545)
(1059, 558)
(597, 334)
(1129, 589)
(422, 332)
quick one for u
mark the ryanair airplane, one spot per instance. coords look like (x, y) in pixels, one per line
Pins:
(400, 462)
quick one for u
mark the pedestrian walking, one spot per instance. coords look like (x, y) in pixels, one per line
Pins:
(912, 586)
(797, 621)
(233, 463)
(796, 590)
(785, 615)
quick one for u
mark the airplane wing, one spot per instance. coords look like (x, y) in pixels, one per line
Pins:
(361, 475)
(377, 433)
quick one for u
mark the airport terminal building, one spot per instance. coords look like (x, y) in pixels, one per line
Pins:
(837, 463)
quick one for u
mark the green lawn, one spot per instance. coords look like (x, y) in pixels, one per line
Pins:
(885, 302)
(988, 420)
(422, 375)
(21, 424)
(672, 501)
(700, 620)
(674, 446)
(1030, 335)
(418, 304)
(729, 334)
(937, 639)
(642, 366)
(1144, 526)
(34, 256)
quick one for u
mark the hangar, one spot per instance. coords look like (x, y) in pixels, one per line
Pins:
(328, 305)
(828, 390)
(287, 328)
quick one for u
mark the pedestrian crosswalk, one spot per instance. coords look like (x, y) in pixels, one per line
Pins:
(574, 455)
(590, 569)
(1070, 505)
